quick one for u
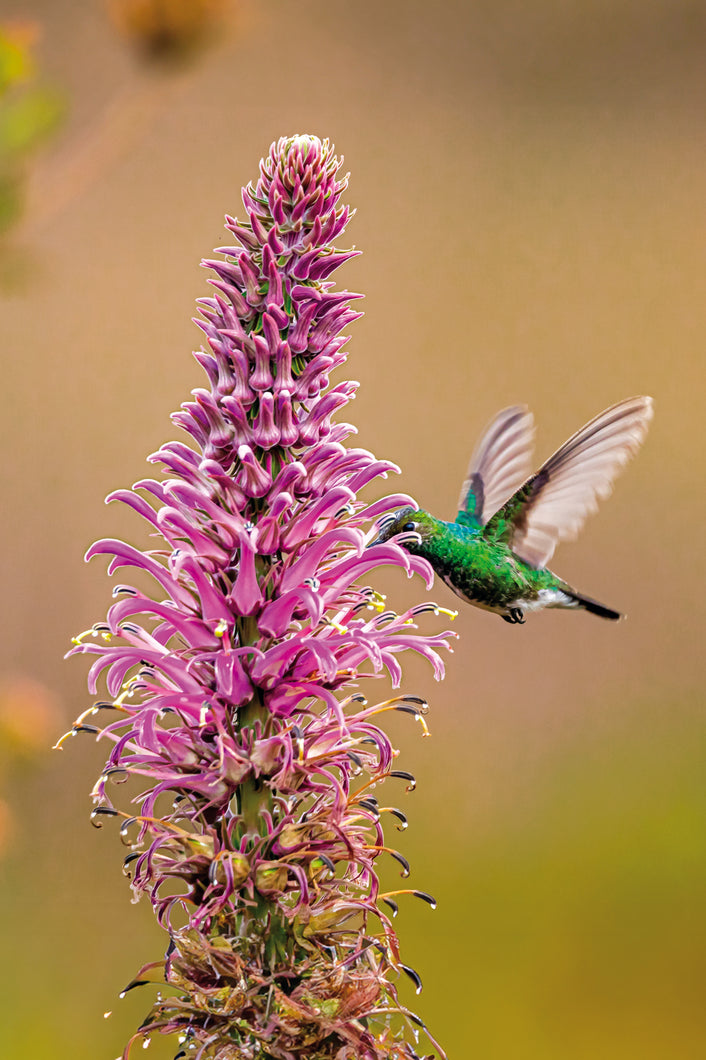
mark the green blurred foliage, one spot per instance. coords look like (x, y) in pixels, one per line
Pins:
(16, 62)
(29, 113)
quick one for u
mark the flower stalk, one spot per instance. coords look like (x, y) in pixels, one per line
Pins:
(237, 688)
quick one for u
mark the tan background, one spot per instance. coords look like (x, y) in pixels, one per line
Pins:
(531, 194)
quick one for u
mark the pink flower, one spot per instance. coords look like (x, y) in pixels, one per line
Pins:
(235, 690)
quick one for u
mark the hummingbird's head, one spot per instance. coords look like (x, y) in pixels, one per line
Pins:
(416, 525)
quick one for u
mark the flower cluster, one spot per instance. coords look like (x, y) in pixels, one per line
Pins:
(236, 694)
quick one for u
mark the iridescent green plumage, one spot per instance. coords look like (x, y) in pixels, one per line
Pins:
(494, 555)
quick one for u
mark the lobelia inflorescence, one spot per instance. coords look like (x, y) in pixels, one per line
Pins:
(236, 694)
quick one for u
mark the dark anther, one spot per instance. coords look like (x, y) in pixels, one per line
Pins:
(423, 609)
(102, 704)
(407, 710)
(133, 984)
(398, 814)
(102, 811)
(369, 804)
(129, 860)
(402, 774)
(117, 773)
(414, 976)
(415, 699)
(402, 861)
(124, 590)
(126, 825)
(130, 627)
(327, 862)
(425, 898)
(393, 905)
(354, 759)
(85, 728)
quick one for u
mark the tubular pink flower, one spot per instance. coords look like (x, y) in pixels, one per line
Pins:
(257, 833)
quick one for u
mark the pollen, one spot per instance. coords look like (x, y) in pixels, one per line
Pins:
(376, 601)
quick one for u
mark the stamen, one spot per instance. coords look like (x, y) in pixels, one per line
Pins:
(102, 811)
(299, 739)
(402, 774)
(376, 601)
(79, 637)
(326, 861)
(131, 986)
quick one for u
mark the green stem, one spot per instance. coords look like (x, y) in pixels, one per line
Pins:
(254, 795)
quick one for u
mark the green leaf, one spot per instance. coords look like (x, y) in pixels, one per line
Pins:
(15, 59)
(27, 120)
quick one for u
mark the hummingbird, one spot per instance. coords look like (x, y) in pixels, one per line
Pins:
(495, 554)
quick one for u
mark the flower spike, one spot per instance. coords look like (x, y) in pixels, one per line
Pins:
(255, 835)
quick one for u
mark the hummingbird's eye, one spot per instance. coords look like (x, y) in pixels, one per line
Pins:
(408, 526)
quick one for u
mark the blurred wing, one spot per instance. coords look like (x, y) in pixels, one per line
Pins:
(500, 464)
(553, 505)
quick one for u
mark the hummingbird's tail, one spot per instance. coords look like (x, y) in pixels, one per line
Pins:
(593, 606)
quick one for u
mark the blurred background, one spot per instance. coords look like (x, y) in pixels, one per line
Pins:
(530, 186)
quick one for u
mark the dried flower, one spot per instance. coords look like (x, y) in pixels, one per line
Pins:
(258, 832)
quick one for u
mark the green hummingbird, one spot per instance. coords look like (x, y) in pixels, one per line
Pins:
(509, 522)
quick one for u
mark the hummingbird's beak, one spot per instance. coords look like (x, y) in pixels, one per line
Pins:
(381, 527)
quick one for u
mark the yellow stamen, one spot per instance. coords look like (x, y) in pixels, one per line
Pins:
(376, 601)
(79, 638)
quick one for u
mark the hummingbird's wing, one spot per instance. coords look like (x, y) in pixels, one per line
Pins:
(552, 505)
(500, 464)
